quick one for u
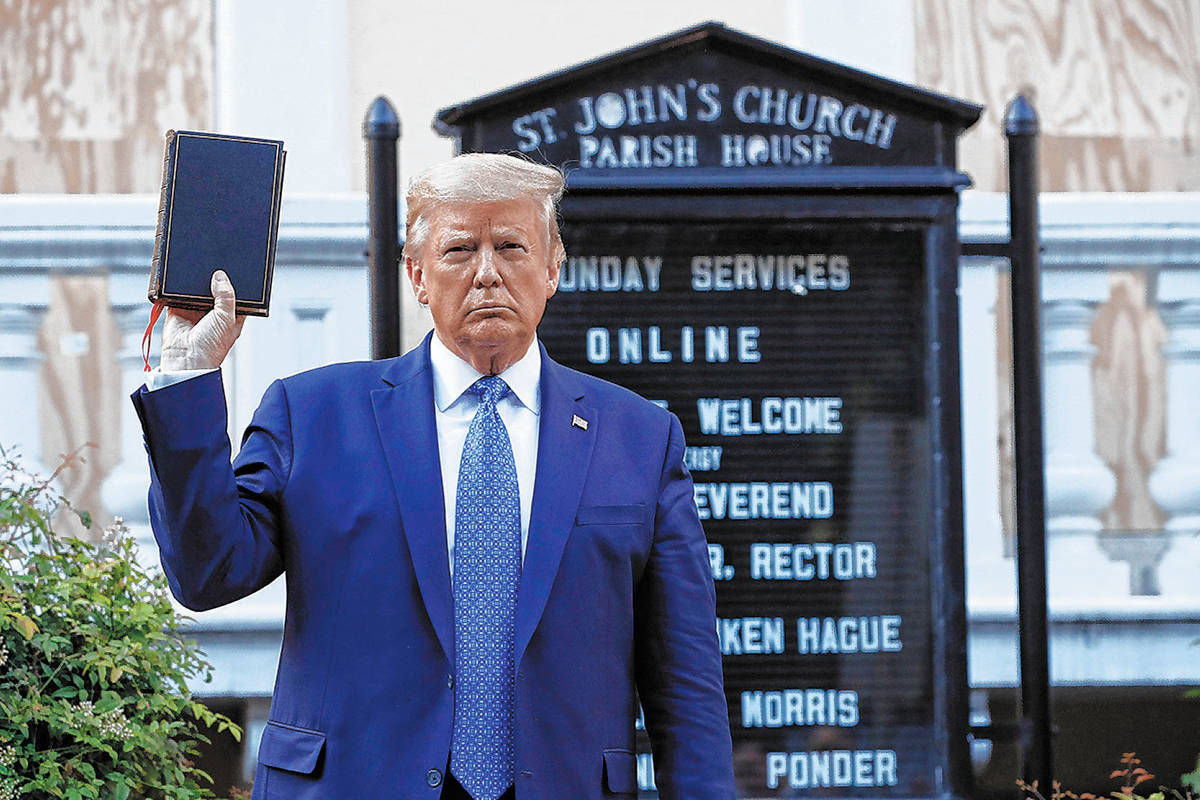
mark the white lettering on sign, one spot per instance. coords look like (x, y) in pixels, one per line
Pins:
(825, 768)
(796, 273)
(716, 561)
(651, 345)
(614, 128)
(644, 105)
(610, 274)
(821, 114)
(764, 500)
(817, 635)
(596, 345)
(533, 129)
(638, 151)
(776, 150)
(703, 459)
(750, 635)
(797, 707)
(818, 561)
(771, 415)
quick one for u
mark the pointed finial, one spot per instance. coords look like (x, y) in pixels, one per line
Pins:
(1020, 119)
(381, 121)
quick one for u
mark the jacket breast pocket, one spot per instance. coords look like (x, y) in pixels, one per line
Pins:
(637, 514)
(616, 536)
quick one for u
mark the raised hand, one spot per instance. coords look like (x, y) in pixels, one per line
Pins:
(198, 339)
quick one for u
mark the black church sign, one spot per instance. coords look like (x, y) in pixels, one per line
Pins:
(712, 98)
(766, 244)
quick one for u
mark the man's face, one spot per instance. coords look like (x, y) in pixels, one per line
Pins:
(486, 271)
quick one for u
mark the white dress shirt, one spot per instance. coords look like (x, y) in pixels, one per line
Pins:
(158, 378)
(454, 408)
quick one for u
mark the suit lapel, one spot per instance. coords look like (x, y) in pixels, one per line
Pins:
(564, 452)
(405, 418)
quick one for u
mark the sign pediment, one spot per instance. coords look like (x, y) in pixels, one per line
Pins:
(711, 100)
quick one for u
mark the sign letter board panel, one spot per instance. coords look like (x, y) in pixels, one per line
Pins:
(793, 356)
(765, 243)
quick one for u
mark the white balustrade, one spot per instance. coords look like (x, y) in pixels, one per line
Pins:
(1175, 482)
(320, 300)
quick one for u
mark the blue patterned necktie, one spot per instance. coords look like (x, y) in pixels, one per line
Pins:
(487, 572)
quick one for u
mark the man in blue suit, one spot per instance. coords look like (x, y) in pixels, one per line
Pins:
(489, 556)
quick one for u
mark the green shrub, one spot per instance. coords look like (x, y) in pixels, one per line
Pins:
(93, 669)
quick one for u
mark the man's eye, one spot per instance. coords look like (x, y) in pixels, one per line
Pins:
(512, 246)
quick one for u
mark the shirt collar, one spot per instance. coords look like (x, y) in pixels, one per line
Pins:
(452, 376)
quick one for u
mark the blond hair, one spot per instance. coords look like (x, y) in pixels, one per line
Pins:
(482, 178)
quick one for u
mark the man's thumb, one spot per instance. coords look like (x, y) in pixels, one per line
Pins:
(224, 298)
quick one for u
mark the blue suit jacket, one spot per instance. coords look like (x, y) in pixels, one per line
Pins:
(338, 485)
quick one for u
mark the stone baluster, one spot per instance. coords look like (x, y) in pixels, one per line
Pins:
(1079, 486)
(1175, 482)
(20, 358)
(124, 491)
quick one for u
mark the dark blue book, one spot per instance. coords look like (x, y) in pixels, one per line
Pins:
(219, 209)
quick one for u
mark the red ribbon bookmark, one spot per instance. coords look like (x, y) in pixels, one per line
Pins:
(155, 313)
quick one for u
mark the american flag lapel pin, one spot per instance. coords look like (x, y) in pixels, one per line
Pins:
(579, 422)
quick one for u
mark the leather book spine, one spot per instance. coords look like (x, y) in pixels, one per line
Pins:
(277, 202)
(160, 233)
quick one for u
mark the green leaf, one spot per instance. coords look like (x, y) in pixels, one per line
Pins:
(85, 517)
(108, 702)
(1192, 779)
(25, 625)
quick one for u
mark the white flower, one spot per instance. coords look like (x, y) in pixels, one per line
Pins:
(111, 723)
(114, 724)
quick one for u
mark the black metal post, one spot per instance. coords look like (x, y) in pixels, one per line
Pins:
(1021, 128)
(381, 130)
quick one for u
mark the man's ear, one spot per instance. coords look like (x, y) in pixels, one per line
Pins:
(416, 277)
(554, 271)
